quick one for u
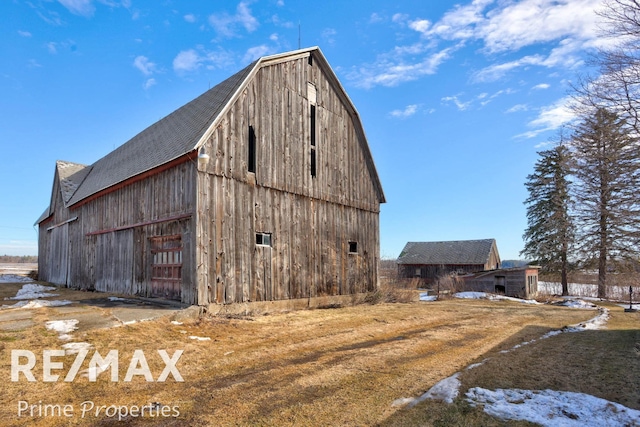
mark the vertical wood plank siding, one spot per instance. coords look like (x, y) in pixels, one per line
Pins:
(311, 219)
(218, 210)
(117, 261)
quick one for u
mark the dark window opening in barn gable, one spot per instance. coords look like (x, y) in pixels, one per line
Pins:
(312, 133)
(263, 239)
(313, 162)
(251, 161)
(311, 60)
(353, 247)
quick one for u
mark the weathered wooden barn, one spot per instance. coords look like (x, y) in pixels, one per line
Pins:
(521, 282)
(263, 188)
(430, 260)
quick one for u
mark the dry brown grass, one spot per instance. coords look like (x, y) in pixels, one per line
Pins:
(316, 367)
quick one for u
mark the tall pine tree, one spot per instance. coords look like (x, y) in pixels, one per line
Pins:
(607, 171)
(550, 234)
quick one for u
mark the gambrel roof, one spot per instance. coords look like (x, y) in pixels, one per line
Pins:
(184, 131)
(460, 252)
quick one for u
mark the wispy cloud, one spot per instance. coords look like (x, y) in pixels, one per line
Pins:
(24, 33)
(191, 60)
(517, 108)
(145, 66)
(462, 106)
(389, 70)
(191, 18)
(550, 118)
(329, 35)
(541, 86)
(256, 52)
(87, 9)
(408, 111)
(79, 7)
(187, 60)
(226, 25)
(570, 26)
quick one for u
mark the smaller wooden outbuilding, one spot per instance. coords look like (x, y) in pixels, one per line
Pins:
(520, 282)
(430, 260)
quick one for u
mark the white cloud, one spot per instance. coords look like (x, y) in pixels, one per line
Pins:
(456, 101)
(420, 25)
(328, 34)
(191, 60)
(79, 7)
(375, 18)
(551, 117)
(24, 33)
(226, 24)
(52, 47)
(256, 52)
(187, 60)
(567, 27)
(143, 64)
(541, 86)
(518, 107)
(87, 9)
(409, 111)
(191, 18)
(150, 82)
(388, 71)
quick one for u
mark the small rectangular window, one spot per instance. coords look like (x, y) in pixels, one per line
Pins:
(263, 239)
(310, 60)
(353, 247)
(251, 161)
(313, 162)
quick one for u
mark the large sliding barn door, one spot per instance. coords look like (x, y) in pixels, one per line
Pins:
(166, 266)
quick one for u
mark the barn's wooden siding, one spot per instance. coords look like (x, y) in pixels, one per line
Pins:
(107, 246)
(311, 219)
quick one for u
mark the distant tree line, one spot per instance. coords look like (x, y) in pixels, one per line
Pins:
(15, 259)
(583, 208)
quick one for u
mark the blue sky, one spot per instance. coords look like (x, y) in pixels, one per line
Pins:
(456, 98)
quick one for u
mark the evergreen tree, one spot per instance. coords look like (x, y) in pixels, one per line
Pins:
(549, 234)
(607, 168)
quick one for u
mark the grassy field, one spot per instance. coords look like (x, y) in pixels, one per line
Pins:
(327, 367)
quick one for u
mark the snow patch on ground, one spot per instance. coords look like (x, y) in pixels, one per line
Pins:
(36, 304)
(14, 278)
(562, 408)
(193, 337)
(552, 408)
(75, 347)
(62, 327)
(576, 303)
(34, 291)
(492, 297)
(597, 322)
(424, 296)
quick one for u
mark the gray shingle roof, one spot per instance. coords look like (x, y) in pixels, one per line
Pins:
(171, 137)
(174, 136)
(453, 252)
(71, 176)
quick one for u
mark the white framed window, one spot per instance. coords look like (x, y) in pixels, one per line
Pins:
(263, 239)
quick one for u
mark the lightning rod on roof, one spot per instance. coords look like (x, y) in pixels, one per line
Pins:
(298, 34)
